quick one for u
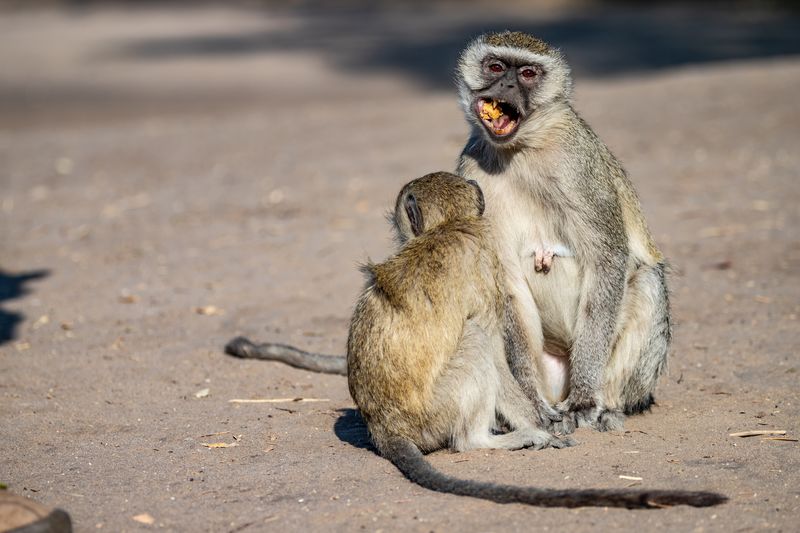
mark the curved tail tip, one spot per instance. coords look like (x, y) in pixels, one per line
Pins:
(707, 499)
(239, 347)
(694, 499)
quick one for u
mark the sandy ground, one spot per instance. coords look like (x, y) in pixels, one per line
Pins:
(157, 161)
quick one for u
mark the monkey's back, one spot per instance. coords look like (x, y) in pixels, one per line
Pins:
(408, 323)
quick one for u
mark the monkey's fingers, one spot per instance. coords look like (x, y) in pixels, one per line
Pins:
(548, 416)
(565, 426)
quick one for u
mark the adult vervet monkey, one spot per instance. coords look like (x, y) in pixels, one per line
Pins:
(594, 325)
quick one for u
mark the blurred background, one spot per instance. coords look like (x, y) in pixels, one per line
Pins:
(175, 173)
(74, 57)
(120, 119)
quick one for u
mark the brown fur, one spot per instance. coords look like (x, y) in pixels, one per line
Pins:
(517, 39)
(408, 324)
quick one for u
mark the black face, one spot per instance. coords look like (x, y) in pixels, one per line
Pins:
(504, 102)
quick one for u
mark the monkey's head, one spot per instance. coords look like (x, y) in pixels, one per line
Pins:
(432, 200)
(504, 78)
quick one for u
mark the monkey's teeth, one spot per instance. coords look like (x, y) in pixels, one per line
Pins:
(494, 118)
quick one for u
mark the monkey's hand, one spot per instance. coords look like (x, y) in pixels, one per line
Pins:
(587, 413)
(581, 415)
(552, 419)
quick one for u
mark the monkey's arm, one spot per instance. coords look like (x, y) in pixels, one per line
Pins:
(522, 364)
(325, 364)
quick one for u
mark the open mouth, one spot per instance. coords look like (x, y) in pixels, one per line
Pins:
(500, 118)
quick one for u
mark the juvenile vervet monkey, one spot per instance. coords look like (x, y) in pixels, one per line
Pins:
(425, 354)
(444, 195)
(594, 332)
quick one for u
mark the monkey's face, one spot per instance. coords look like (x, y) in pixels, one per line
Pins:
(505, 101)
(505, 78)
(432, 200)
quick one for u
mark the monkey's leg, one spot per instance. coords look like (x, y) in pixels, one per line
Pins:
(639, 356)
(511, 405)
(472, 391)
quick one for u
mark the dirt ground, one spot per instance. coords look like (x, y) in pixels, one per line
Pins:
(171, 177)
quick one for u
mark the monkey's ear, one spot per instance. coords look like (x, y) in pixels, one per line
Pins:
(414, 215)
(481, 201)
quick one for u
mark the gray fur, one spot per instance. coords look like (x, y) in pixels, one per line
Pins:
(410, 461)
(273, 351)
(549, 184)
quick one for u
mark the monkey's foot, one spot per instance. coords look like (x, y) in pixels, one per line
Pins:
(562, 441)
(565, 426)
(600, 419)
(610, 420)
(529, 437)
(540, 440)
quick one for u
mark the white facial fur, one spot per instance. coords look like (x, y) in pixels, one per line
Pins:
(557, 81)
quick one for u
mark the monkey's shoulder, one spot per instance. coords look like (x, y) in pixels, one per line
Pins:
(434, 265)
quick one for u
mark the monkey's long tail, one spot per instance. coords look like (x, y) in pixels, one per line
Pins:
(412, 463)
(270, 351)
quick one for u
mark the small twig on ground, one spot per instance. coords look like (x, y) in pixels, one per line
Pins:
(278, 400)
(756, 432)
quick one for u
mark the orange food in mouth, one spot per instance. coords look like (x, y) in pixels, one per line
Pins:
(498, 117)
(490, 110)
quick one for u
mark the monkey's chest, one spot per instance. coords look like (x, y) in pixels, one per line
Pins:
(556, 294)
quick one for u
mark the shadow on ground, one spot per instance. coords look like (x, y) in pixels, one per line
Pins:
(13, 286)
(424, 43)
(350, 428)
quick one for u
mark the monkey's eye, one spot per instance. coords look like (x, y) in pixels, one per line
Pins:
(528, 73)
(497, 67)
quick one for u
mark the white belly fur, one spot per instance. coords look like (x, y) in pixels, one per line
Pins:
(522, 225)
